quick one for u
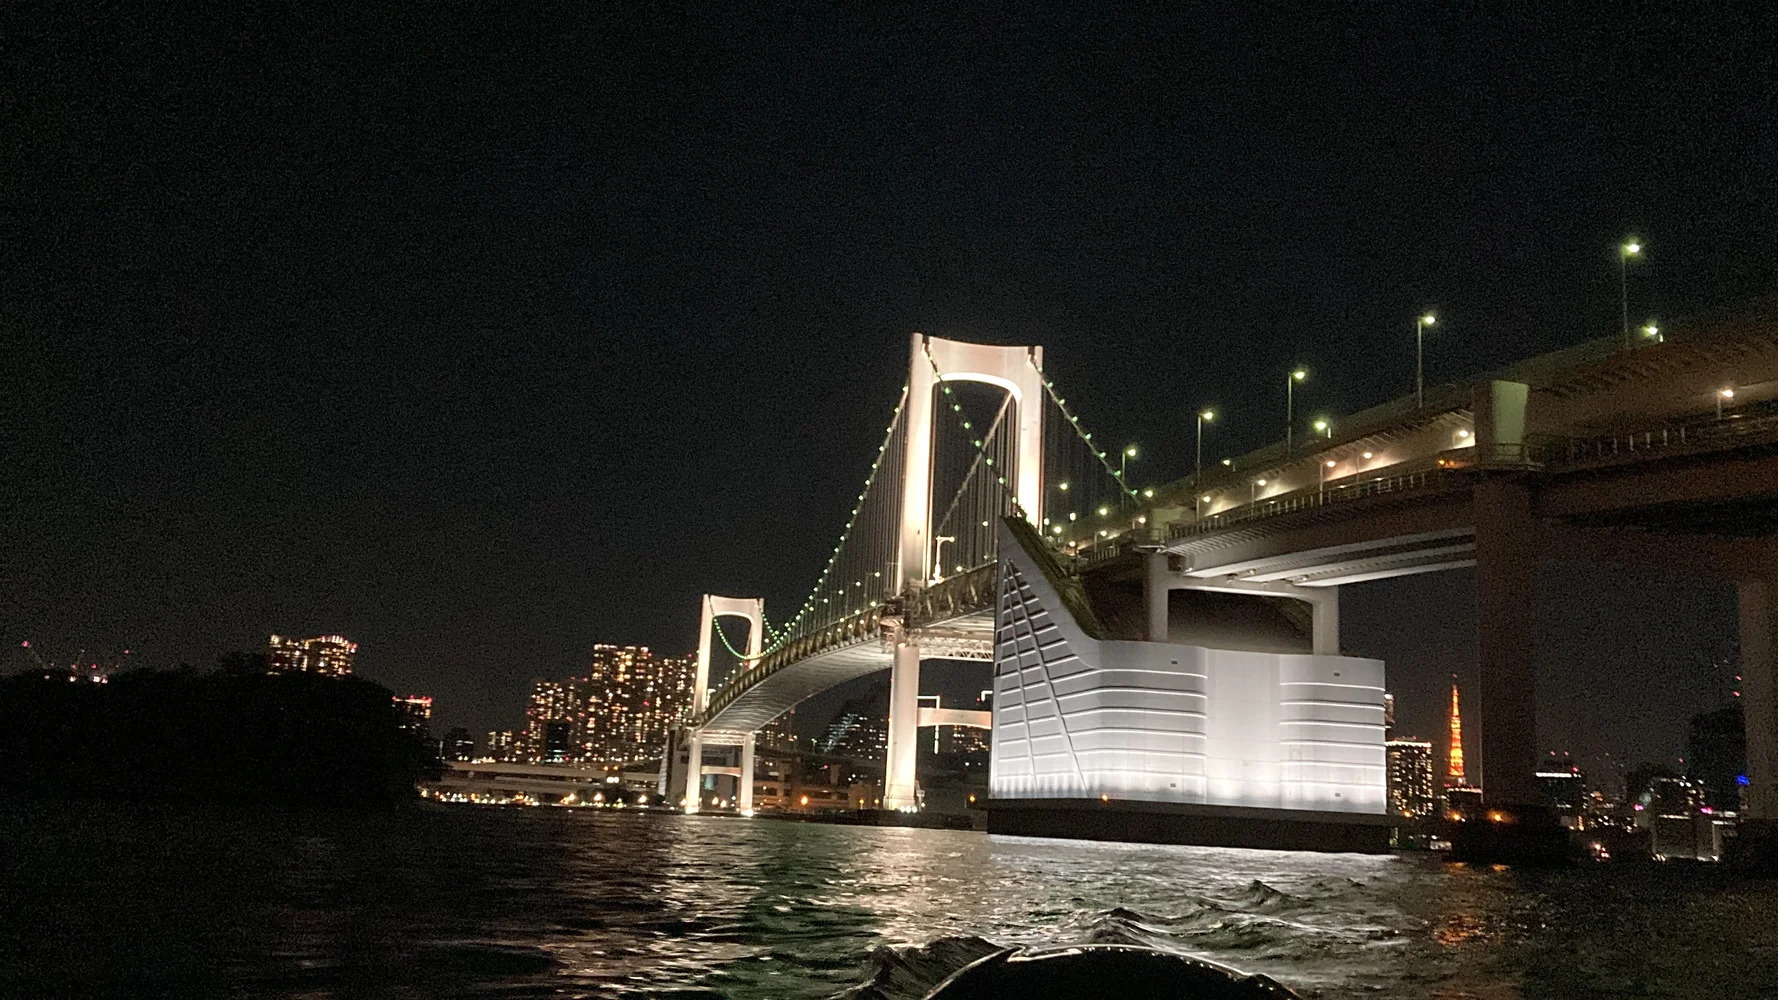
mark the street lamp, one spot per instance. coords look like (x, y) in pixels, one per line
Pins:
(1324, 428)
(1253, 490)
(938, 556)
(1324, 467)
(1420, 326)
(1290, 381)
(1725, 392)
(1123, 459)
(1653, 332)
(1625, 252)
(1204, 417)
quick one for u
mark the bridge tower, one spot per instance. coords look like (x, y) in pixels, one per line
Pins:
(753, 610)
(934, 360)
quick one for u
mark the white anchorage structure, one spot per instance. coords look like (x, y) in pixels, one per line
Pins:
(1076, 717)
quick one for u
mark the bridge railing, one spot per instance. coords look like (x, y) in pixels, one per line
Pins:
(1306, 500)
(1698, 436)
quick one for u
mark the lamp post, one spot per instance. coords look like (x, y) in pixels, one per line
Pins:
(1625, 252)
(1290, 381)
(1253, 490)
(1324, 467)
(1324, 428)
(1420, 326)
(938, 556)
(1725, 392)
(1123, 460)
(1204, 416)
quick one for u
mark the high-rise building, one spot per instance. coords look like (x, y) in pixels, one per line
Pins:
(630, 698)
(458, 744)
(506, 746)
(1411, 791)
(416, 714)
(1566, 790)
(859, 731)
(779, 735)
(328, 655)
(552, 702)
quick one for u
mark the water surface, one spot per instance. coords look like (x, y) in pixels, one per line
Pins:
(113, 901)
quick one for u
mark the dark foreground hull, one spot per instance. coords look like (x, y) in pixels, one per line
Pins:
(1104, 972)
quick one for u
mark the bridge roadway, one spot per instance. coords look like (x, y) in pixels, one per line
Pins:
(1619, 457)
(952, 619)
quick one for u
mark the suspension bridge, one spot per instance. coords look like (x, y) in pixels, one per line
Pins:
(980, 433)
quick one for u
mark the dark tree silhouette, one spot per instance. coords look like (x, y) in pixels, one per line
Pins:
(231, 735)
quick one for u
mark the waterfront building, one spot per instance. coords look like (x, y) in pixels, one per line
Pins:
(328, 655)
(1411, 786)
(1566, 790)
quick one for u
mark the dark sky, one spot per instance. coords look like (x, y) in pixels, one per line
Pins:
(481, 339)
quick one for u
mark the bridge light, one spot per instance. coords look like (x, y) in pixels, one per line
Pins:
(1148, 493)
(1632, 247)
(1331, 463)
(1321, 425)
(1299, 374)
(1259, 482)
(1368, 456)
(1104, 511)
(1429, 319)
(1207, 416)
(1463, 432)
(984, 523)
(1072, 515)
(1206, 498)
(1229, 462)
(1130, 451)
(1651, 331)
(1726, 393)
(1142, 520)
(1063, 487)
(1057, 529)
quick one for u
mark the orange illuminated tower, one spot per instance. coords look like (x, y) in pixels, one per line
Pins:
(1455, 776)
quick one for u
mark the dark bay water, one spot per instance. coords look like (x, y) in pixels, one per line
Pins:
(100, 900)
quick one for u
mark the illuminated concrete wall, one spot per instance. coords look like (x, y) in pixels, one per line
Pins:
(1077, 717)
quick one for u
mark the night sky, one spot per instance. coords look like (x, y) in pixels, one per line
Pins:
(480, 339)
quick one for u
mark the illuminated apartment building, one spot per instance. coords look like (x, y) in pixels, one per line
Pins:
(328, 655)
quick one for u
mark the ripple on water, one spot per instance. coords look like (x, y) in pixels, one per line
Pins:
(542, 903)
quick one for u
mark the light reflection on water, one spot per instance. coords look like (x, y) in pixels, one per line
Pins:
(474, 902)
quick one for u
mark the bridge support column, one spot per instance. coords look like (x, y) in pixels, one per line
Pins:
(694, 771)
(1155, 587)
(1325, 623)
(1506, 566)
(1759, 697)
(744, 793)
(899, 788)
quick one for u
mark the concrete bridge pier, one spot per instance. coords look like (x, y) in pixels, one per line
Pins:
(744, 791)
(693, 787)
(900, 791)
(1759, 699)
(1506, 566)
